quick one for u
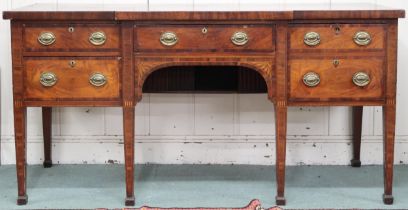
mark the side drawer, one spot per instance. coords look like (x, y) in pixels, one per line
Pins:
(72, 37)
(320, 79)
(204, 37)
(71, 78)
(337, 36)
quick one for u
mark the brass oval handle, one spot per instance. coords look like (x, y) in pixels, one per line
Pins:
(48, 79)
(97, 38)
(97, 79)
(46, 38)
(361, 79)
(168, 38)
(311, 38)
(362, 38)
(311, 79)
(239, 38)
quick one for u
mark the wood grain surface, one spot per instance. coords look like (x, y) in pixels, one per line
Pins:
(217, 38)
(72, 82)
(77, 40)
(330, 39)
(133, 51)
(336, 82)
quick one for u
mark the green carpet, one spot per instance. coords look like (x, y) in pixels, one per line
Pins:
(102, 186)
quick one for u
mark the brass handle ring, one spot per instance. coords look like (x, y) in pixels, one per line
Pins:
(239, 38)
(311, 79)
(97, 38)
(97, 79)
(48, 79)
(311, 38)
(168, 38)
(46, 38)
(361, 79)
(362, 38)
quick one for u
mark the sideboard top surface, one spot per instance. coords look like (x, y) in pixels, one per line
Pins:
(259, 12)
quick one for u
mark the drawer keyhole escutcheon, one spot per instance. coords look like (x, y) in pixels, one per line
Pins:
(336, 62)
(48, 79)
(361, 79)
(72, 63)
(46, 38)
(311, 38)
(204, 30)
(168, 38)
(239, 38)
(362, 38)
(71, 29)
(97, 38)
(311, 79)
(337, 29)
(97, 79)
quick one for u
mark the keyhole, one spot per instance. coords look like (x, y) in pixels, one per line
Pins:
(337, 29)
(336, 62)
(204, 30)
(72, 63)
(71, 29)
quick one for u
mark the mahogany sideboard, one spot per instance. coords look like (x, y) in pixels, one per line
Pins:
(85, 55)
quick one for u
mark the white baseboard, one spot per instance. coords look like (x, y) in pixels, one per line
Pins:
(313, 150)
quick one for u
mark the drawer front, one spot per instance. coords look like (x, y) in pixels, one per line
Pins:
(71, 38)
(76, 78)
(320, 79)
(337, 36)
(201, 37)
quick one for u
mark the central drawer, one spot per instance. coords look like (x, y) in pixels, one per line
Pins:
(72, 78)
(204, 38)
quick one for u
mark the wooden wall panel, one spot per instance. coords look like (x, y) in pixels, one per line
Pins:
(34, 121)
(256, 115)
(308, 121)
(157, 5)
(171, 114)
(296, 4)
(213, 114)
(137, 5)
(340, 121)
(216, 5)
(256, 5)
(82, 121)
(341, 118)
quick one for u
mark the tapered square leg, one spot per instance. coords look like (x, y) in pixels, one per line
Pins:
(129, 133)
(47, 164)
(355, 163)
(47, 133)
(357, 126)
(389, 135)
(388, 199)
(280, 119)
(280, 201)
(22, 200)
(130, 201)
(20, 125)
